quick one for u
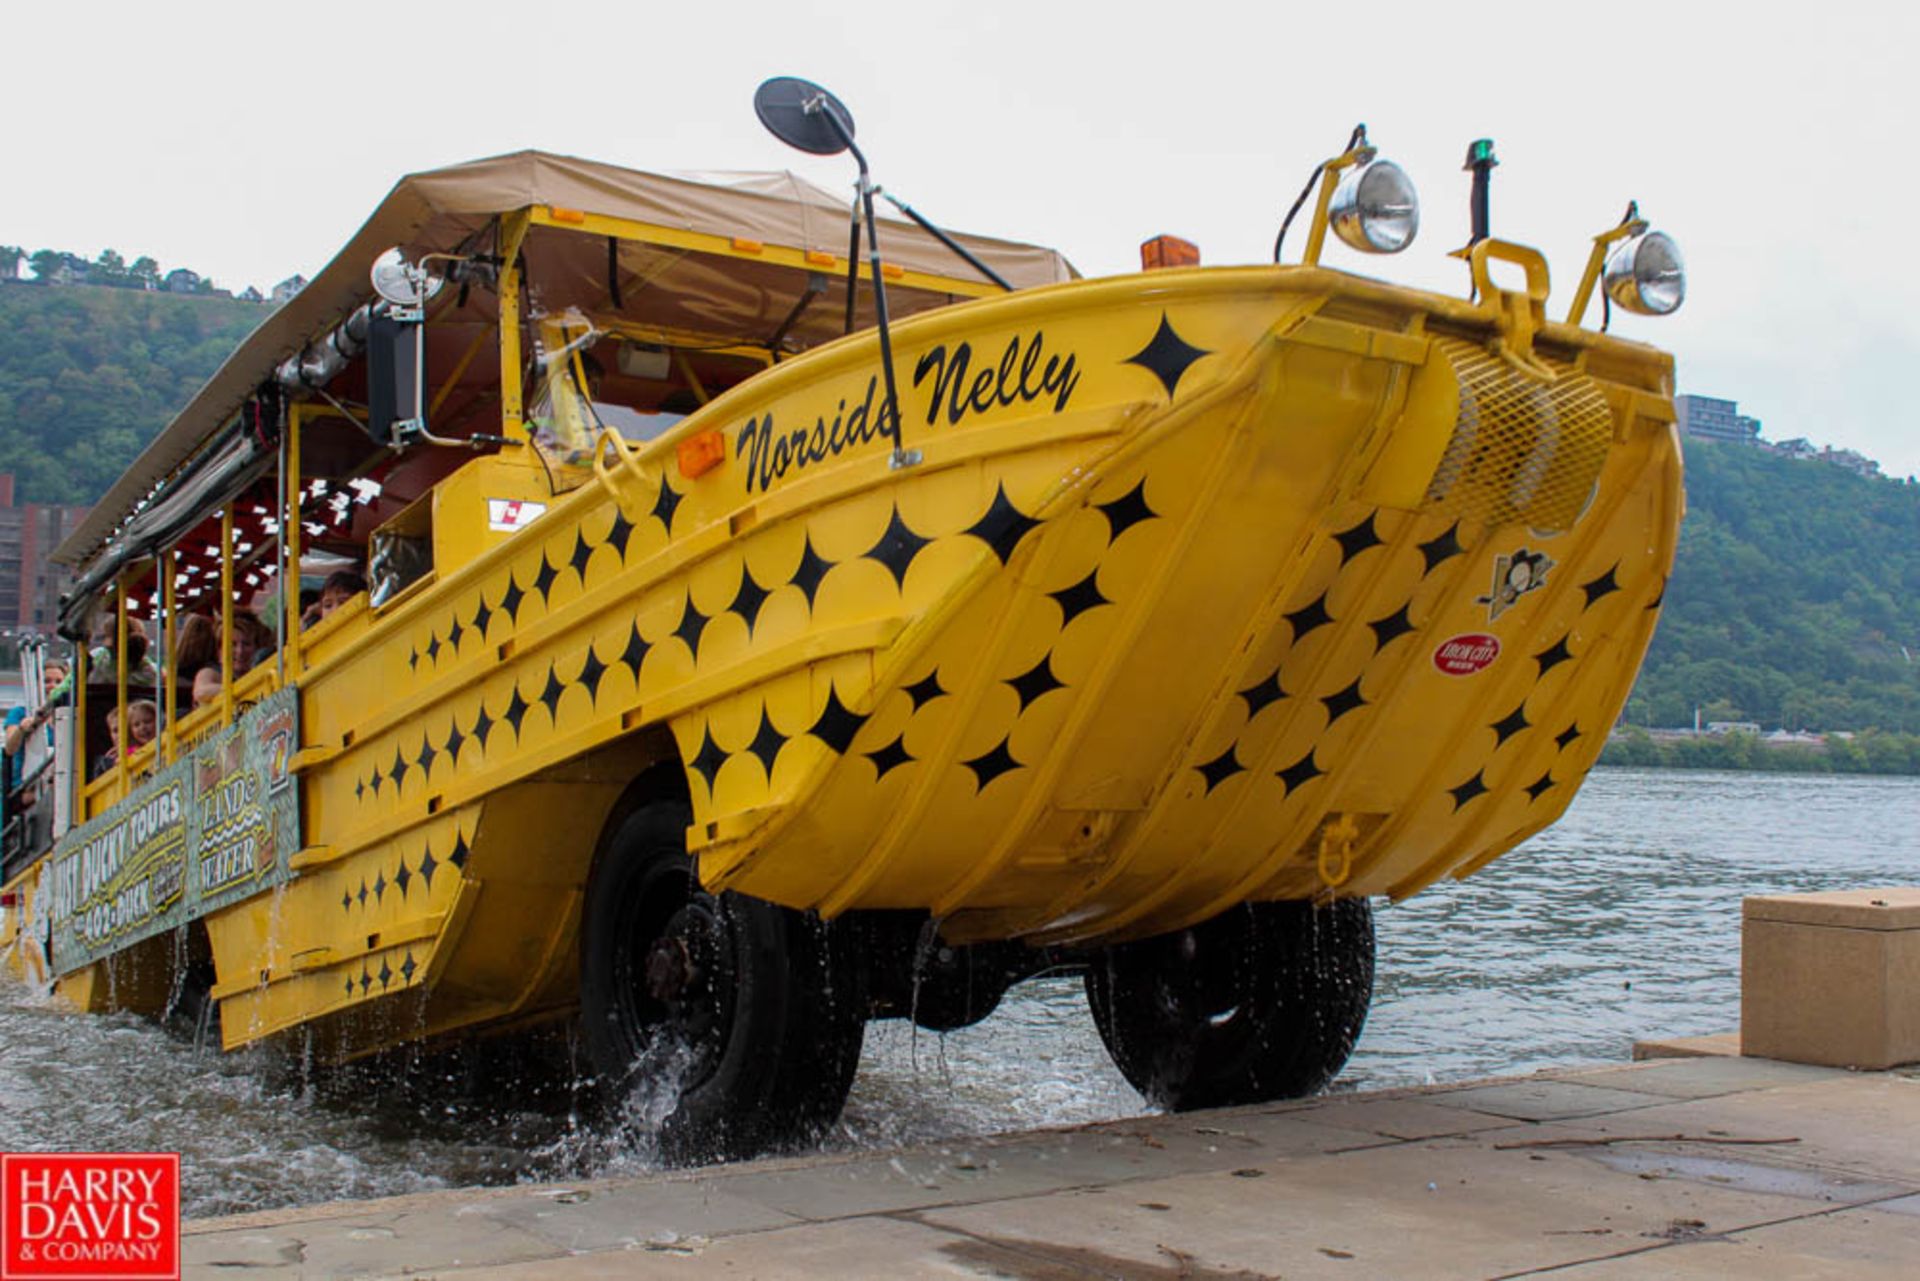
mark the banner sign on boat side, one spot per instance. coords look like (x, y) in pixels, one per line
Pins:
(216, 826)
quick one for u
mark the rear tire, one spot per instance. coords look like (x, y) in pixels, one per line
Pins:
(729, 1025)
(1262, 1002)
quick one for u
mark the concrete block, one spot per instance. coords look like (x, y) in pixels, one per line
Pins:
(1832, 978)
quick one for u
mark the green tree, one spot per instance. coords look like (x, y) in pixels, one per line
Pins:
(145, 272)
(45, 262)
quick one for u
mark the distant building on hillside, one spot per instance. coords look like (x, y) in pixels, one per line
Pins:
(30, 584)
(250, 294)
(1798, 447)
(1713, 419)
(1851, 459)
(287, 289)
(182, 280)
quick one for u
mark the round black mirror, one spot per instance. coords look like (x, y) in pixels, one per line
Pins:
(795, 112)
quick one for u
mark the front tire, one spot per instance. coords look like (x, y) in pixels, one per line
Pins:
(729, 1024)
(1263, 1002)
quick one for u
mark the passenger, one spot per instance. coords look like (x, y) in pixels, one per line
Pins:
(252, 641)
(196, 645)
(206, 685)
(140, 668)
(20, 727)
(342, 585)
(143, 724)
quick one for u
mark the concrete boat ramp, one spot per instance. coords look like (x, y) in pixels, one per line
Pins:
(1705, 1166)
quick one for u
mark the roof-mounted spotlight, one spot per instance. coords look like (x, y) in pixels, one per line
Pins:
(1645, 274)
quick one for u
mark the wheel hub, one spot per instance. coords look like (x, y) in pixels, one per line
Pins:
(670, 970)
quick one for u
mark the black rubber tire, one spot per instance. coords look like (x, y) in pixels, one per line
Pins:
(1262, 1002)
(766, 1036)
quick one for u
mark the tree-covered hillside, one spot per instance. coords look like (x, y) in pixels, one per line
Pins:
(89, 375)
(1796, 585)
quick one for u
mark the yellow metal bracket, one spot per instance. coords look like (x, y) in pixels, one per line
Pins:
(1519, 315)
(1336, 851)
(611, 442)
(1597, 259)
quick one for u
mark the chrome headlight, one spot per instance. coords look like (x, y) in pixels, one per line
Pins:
(1375, 209)
(1646, 275)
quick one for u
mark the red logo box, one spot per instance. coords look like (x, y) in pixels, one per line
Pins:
(65, 1216)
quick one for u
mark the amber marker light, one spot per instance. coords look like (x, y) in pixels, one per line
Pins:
(1168, 251)
(747, 245)
(560, 214)
(820, 258)
(701, 454)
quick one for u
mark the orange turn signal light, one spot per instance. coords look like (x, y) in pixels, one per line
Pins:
(701, 454)
(1168, 251)
(747, 245)
(892, 270)
(560, 214)
(820, 258)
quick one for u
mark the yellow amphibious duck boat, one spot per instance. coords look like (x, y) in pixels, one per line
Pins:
(750, 649)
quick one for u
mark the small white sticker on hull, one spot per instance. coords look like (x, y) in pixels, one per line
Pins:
(509, 514)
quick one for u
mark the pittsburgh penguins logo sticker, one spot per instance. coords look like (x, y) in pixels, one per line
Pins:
(1514, 575)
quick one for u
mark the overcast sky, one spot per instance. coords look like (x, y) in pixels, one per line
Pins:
(248, 141)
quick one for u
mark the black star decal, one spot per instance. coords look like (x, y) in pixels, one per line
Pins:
(1167, 356)
(897, 547)
(1390, 628)
(924, 692)
(1510, 724)
(1539, 786)
(1443, 548)
(458, 855)
(836, 726)
(1260, 695)
(454, 633)
(636, 651)
(425, 759)
(748, 600)
(582, 554)
(1003, 526)
(992, 765)
(363, 891)
(379, 887)
(551, 692)
(346, 901)
(767, 742)
(366, 980)
(481, 617)
(1300, 773)
(359, 789)
(1604, 585)
(708, 760)
(514, 595)
(1126, 511)
(517, 709)
(1079, 598)
(432, 650)
(807, 575)
(617, 534)
(1220, 768)
(373, 781)
(428, 865)
(692, 623)
(543, 581)
(1358, 539)
(408, 966)
(890, 757)
(1475, 786)
(1565, 737)
(402, 877)
(399, 769)
(455, 741)
(591, 670)
(482, 724)
(1308, 617)
(1553, 655)
(664, 506)
(386, 974)
(1658, 596)
(413, 659)
(1035, 681)
(1345, 701)
(349, 988)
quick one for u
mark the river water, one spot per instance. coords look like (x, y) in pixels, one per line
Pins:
(1622, 921)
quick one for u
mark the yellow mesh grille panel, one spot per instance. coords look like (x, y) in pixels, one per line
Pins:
(1523, 451)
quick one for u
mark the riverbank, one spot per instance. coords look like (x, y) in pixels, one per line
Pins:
(1870, 752)
(1704, 1167)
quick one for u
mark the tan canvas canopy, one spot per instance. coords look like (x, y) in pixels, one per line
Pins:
(440, 209)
